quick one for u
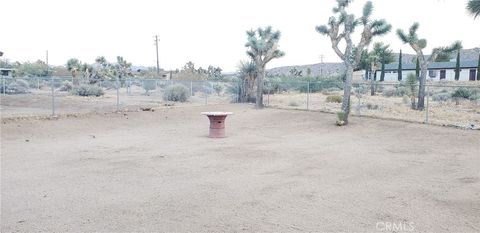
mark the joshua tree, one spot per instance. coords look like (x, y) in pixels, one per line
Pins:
(457, 66)
(412, 88)
(262, 48)
(247, 72)
(341, 28)
(400, 69)
(418, 45)
(473, 6)
(74, 65)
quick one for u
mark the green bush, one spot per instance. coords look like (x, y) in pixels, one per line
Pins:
(441, 97)
(341, 116)
(176, 92)
(389, 92)
(18, 86)
(334, 99)
(320, 84)
(464, 93)
(88, 90)
(149, 85)
(66, 86)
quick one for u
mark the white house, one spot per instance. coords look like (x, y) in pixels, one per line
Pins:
(436, 71)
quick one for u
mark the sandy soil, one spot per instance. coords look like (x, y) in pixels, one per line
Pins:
(278, 171)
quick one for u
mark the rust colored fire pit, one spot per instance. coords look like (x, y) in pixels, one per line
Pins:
(217, 123)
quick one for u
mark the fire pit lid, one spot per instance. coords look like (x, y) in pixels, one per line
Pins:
(217, 113)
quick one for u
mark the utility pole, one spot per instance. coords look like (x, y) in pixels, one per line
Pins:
(156, 46)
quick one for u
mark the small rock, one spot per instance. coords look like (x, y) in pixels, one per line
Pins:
(27, 140)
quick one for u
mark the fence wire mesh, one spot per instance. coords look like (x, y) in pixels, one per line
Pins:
(446, 103)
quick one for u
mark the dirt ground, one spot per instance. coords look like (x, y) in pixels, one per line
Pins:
(278, 171)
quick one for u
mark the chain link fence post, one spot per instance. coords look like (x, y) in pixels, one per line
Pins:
(117, 84)
(426, 109)
(308, 94)
(205, 92)
(53, 95)
(191, 88)
(3, 85)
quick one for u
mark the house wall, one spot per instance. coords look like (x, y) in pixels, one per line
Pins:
(392, 76)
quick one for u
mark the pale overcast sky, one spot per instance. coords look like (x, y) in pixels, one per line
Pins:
(208, 32)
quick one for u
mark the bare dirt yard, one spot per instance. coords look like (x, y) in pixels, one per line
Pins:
(278, 171)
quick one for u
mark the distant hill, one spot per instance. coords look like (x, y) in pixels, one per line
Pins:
(328, 69)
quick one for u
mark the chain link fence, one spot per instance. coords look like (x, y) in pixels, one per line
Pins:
(455, 104)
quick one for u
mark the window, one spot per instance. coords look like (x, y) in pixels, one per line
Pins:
(432, 73)
(472, 75)
(443, 74)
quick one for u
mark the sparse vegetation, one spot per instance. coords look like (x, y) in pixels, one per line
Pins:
(149, 85)
(17, 86)
(218, 88)
(411, 83)
(66, 86)
(177, 93)
(88, 90)
(334, 99)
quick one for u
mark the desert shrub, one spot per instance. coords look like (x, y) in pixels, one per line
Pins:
(411, 84)
(107, 84)
(441, 97)
(218, 88)
(475, 94)
(321, 84)
(401, 91)
(389, 92)
(371, 106)
(331, 90)
(360, 89)
(334, 99)
(88, 90)
(149, 85)
(341, 118)
(176, 92)
(462, 93)
(293, 104)
(66, 86)
(18, 86)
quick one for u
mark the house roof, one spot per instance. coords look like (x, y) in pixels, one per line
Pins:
(433, 65)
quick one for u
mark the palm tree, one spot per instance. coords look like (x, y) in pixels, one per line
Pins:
(262, 48)
(73, 65)
(247, 72)
(385, 56)
(473, 6)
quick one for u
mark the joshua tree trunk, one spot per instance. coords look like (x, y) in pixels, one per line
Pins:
(421, 87)
(259, 99)
(347, 87)
(74, 78)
